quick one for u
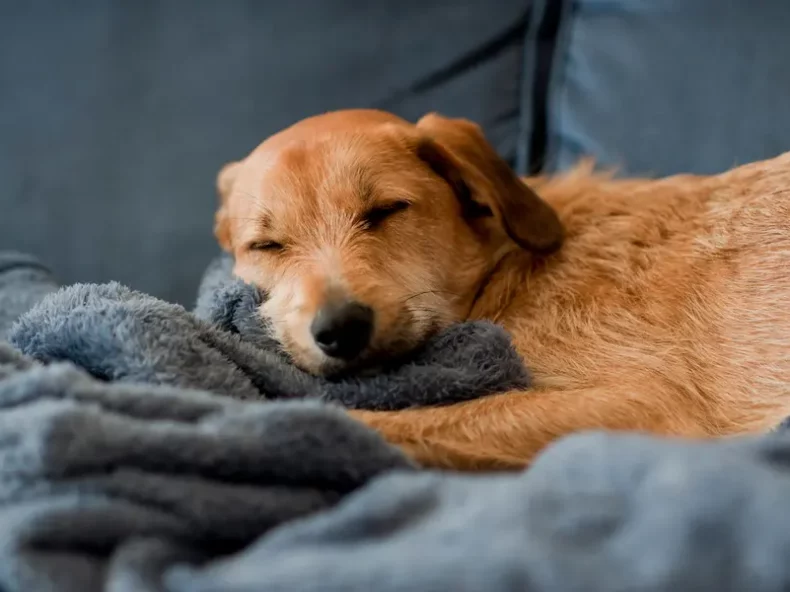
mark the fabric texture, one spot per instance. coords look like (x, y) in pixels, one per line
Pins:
(116, 116)
(119, 335)
(595, 513)
(658, 88)
(105, 484)
(110, 473)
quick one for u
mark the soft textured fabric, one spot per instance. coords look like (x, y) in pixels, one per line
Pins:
(120, 335)
(103, 485)
(596, 513)
(110, 487)
(116, 115)
(658, 87)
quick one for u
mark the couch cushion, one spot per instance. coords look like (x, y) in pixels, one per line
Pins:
(657, 87)
(115, 116)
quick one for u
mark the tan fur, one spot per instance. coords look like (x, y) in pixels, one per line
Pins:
(667, 310)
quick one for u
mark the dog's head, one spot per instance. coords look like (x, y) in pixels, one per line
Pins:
(370, 233)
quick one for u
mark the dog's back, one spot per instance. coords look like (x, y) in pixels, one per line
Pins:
(681, 284)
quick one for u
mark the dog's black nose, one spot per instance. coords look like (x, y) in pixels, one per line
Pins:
(343, 330)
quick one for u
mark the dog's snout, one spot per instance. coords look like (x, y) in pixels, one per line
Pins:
(343, 330)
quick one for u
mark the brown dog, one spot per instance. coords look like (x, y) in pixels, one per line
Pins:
(667, 309)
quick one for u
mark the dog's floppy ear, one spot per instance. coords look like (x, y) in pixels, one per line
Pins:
(225, 181)
(458, 151)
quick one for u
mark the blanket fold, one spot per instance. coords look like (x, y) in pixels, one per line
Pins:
(596, 512)
(122, 470)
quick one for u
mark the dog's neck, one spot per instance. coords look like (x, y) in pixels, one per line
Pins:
(500, 286)
(515, 268)
(617, 231)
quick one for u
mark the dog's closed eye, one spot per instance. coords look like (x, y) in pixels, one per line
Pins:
(265, 246)
(374, 217)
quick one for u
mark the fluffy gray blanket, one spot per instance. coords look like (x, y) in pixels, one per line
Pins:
(127, 482)
(119, 335)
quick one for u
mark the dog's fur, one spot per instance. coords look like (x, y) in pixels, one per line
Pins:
(667, 309)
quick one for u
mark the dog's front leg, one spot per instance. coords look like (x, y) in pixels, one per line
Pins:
(505, 432)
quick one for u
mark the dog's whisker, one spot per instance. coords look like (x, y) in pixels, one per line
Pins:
(426, 292)
(245, 193)
(242, 218)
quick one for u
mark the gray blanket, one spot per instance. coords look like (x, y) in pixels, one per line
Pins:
(596, 513)
(103, 484)
(120, 335)
(119, 485)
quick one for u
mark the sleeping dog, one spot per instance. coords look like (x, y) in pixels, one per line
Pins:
(652, 305)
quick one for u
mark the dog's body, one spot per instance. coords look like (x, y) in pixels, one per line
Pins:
(666, 310)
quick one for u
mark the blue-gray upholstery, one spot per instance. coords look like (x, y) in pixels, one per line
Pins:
(115, 116)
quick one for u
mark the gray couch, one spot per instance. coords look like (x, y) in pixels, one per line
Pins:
(115, 116)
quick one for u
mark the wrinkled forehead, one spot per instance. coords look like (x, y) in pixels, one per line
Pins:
(308, 181)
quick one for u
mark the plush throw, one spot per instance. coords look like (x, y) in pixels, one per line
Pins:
(112, 483)
(119, 335)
